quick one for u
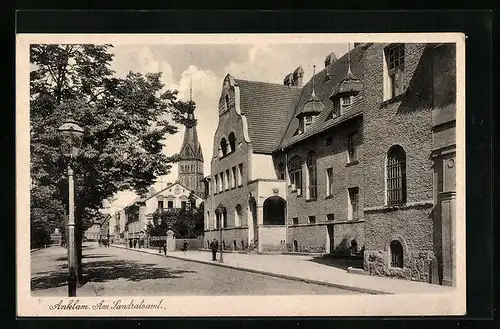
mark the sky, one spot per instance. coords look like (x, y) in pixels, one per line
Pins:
(207, 65)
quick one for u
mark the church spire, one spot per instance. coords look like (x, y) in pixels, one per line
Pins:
(190, 156)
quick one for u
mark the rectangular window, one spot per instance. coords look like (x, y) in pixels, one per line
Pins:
(183, 204)
(346, 101)
(354, 203)
(295, 221)
(222, 182)
(296, 181)
(170, 204)
(352, 149)
(240, 174)
(216, 185)
(395, 56)
(330, 217)
(233, 180)
(160, 205)
(312, 219)
(329, 181)
(336, 108)
(227, 179)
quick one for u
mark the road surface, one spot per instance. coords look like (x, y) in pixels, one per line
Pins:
(121, 272)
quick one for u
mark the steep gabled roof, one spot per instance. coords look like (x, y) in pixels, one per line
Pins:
(324, 85)
(266, 107)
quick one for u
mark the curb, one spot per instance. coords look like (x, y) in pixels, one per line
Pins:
(282, 276)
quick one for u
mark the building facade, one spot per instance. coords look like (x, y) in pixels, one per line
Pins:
(358, 161)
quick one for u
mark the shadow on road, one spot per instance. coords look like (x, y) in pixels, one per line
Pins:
(103, 271)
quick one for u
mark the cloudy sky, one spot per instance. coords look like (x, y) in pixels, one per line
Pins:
(207, 65)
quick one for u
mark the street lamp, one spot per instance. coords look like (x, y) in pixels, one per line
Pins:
(71, 139)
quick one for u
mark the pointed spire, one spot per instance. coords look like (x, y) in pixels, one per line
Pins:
(191, 89)
(349, 72)
(313, 94)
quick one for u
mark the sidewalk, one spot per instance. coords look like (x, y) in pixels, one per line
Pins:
(302, 268)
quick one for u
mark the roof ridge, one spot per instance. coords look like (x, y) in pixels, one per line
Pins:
(269, 83)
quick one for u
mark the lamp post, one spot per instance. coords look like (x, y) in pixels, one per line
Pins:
(71, 139)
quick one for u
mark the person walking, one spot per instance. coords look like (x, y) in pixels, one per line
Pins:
(214, 245)
(165, 248)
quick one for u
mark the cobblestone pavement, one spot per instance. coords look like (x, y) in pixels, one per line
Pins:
(119, 272)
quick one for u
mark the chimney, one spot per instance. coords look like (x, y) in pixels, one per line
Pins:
(330, 59)
(298, 76)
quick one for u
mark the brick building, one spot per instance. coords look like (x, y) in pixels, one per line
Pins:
(359, 160)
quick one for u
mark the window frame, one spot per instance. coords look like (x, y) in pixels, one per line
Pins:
(396, 176)
(329, 181)
(295, 173)
(354, 213)
(352, 146)
(395, 261)
(312, 175)
(312, 219)
(395, 69)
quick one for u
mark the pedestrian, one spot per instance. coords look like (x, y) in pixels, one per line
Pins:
(165, 248)
(135, 243)
(130, 243)
(214, 246)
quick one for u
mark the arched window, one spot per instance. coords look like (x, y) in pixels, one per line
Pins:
(396, 175)
(396, 254)
(237, 215)
(312, 175)
(232, 142)
(281, 171)
(295, 169)
(223, 146)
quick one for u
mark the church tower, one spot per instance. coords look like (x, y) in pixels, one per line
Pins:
(191, 156)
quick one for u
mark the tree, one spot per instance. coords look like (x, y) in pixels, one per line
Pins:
(125, 122)
(185, 223)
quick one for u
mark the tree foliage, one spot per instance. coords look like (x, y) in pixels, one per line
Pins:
(186, 222)
(125, 120)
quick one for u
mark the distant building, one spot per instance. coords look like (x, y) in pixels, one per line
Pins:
(140, 212)
(93, 232)
(358, 161)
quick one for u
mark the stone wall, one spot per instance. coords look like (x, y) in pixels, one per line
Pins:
(405, 120)
(272, 238)
(417, 266)
(229, 236)
(310, 238)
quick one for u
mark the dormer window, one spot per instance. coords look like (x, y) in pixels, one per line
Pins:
(346, 101)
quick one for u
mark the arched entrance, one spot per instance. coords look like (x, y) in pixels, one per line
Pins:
(274, 211)
(254, 233)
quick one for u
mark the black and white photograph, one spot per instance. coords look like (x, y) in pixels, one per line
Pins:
(240, 175)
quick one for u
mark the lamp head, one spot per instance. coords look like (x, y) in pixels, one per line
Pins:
(71, 136)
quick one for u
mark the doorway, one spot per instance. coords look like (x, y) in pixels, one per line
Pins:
(295, 246)
(253, 210)
(330, 238)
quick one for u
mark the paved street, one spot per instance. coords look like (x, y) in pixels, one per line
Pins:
(119, 272)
